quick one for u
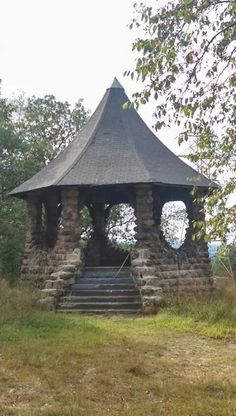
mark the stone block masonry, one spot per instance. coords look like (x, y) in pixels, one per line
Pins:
(53, 267)
(53, 256)
(157, 268)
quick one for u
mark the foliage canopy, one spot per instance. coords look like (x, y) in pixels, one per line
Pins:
(32, 131)
(186, 61)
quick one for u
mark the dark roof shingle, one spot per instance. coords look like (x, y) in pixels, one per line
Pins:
(114, 147)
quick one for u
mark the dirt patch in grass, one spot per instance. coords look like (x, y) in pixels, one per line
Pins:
(74, 366)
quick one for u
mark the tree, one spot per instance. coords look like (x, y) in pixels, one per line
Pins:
(11, 212)
(48, 124)
(32, 131)
(186, 58)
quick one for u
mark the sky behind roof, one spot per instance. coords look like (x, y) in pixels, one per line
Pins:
(69, 48)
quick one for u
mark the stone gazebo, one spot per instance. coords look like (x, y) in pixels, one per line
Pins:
(114, 159)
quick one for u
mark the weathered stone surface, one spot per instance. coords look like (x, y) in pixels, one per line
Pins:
(54, 284)
(69, 267)
(151, 304)
(156, 266)
(151, 291)
(53, 258)
(145, 270)
(64, 277)
(50, 292)
(153, 281)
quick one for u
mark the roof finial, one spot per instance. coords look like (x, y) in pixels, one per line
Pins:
(116, 84)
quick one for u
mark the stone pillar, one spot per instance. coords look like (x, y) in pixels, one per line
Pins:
(195, 212)
(144, 215)
(143, 256)
(70, 224)
(190, 216)
(157, 212)
(32, 260)
(195, 275)
(34, 222)
(157, 209)
(52, 219)
(65, 262)
(199, 215)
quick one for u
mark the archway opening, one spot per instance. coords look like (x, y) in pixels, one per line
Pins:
(110, 235)
(50, 223)
(120, 226)
(174, 223)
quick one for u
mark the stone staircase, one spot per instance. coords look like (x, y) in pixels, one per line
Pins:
(98, 291)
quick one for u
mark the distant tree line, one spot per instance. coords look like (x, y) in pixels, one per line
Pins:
(32, 132)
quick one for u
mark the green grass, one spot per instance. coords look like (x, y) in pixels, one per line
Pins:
(178, 363)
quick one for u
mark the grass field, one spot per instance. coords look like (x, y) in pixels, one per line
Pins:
(181, 362)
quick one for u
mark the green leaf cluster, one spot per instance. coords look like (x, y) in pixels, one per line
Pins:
(186, 57)
(32, 132)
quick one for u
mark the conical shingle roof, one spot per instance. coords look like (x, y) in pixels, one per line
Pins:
(114, 147)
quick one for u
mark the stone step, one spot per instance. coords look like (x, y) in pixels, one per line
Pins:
(99, 306)
(104, 292)
(102, 311)
(110, 272)
(104, 286)
(102, 276)
(101, 299)
(98, 291)
(106, 268)
(107, 280)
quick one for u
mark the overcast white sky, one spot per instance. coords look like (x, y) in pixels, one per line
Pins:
(69, 48)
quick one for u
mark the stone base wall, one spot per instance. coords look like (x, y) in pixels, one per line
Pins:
(60, 280)
(158, 271)
(52, 274)
(143, 270)
(157, 268)
(53, 269)
(35, 267)
(35, 259)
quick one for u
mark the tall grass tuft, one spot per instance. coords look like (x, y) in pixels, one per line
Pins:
(219, 307)
(16, 303)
